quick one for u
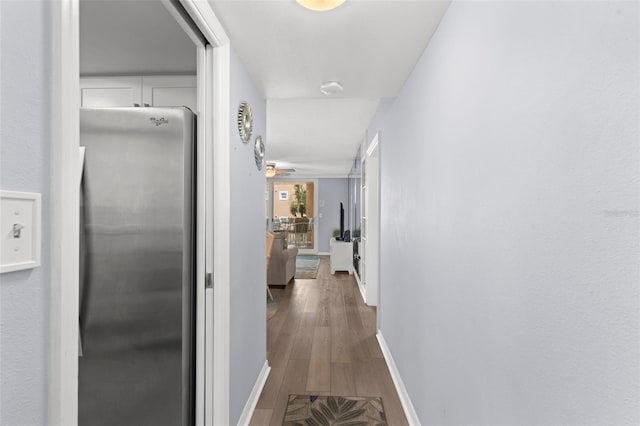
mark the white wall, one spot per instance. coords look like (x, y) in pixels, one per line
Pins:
(510, 219)
(248, 350)
(330, 193)
(25, 70)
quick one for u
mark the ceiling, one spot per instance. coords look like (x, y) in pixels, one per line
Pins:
(370, 46)
(317, 137)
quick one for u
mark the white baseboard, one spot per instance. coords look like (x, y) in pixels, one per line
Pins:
(250, 406)
(324, 253)
(405, 400)
(362, 291)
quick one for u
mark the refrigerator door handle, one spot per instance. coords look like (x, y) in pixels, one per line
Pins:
(208, 282)
(79, 340)
(81, 156)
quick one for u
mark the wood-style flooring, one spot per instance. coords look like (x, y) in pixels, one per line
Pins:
(321, 341)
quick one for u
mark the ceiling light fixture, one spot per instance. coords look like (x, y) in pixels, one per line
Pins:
(320, 5)
(331, 87)
(270, 170)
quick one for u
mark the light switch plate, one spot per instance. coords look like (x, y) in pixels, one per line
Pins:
(20, 228)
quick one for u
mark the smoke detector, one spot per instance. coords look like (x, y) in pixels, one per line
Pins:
(331, 87)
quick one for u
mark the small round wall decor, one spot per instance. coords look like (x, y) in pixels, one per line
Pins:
(258, 152)
(245, 121)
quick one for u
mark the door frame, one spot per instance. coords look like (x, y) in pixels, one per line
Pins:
(212, 256)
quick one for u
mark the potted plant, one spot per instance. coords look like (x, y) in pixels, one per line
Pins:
(300, 193)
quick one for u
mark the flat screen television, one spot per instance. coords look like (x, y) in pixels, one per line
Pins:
(341, 236)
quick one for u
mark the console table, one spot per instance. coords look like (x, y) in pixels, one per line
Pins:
(341, 253)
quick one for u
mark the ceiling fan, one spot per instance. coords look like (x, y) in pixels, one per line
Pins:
(271, 170)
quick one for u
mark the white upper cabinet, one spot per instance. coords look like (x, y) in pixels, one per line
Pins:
(99, 92)
(174, 90)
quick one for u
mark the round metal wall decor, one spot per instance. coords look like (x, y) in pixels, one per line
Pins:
(258, 152)
(245, 121)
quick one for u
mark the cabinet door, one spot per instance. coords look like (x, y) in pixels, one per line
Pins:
(99, 92)
(176, 90)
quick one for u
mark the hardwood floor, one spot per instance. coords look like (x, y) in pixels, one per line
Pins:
(321, 341)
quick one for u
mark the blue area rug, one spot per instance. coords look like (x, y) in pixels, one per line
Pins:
(307, 267)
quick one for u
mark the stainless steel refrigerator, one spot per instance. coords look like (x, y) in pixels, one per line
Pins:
(136, 364)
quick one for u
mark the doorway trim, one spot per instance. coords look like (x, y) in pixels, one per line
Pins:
(212, 404)
(64, 220)
(371, 206)
(371, 171)
(218, 193)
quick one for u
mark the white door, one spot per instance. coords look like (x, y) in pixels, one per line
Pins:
(372, 228)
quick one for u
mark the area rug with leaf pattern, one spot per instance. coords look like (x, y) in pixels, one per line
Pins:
(317, 410)
(307, 267)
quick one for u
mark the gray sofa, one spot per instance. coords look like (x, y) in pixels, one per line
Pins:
(282, 264)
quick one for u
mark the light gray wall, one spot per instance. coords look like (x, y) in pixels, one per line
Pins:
(248, 350)
(354, 216)
(355, 190)
(331, 192)
(378, 118)
(25, 71)
(510, 217)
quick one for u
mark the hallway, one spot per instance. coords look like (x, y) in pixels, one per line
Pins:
(322, 341)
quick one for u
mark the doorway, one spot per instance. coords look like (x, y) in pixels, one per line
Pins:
(138, 83)
(291, 208)
(212, 79)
